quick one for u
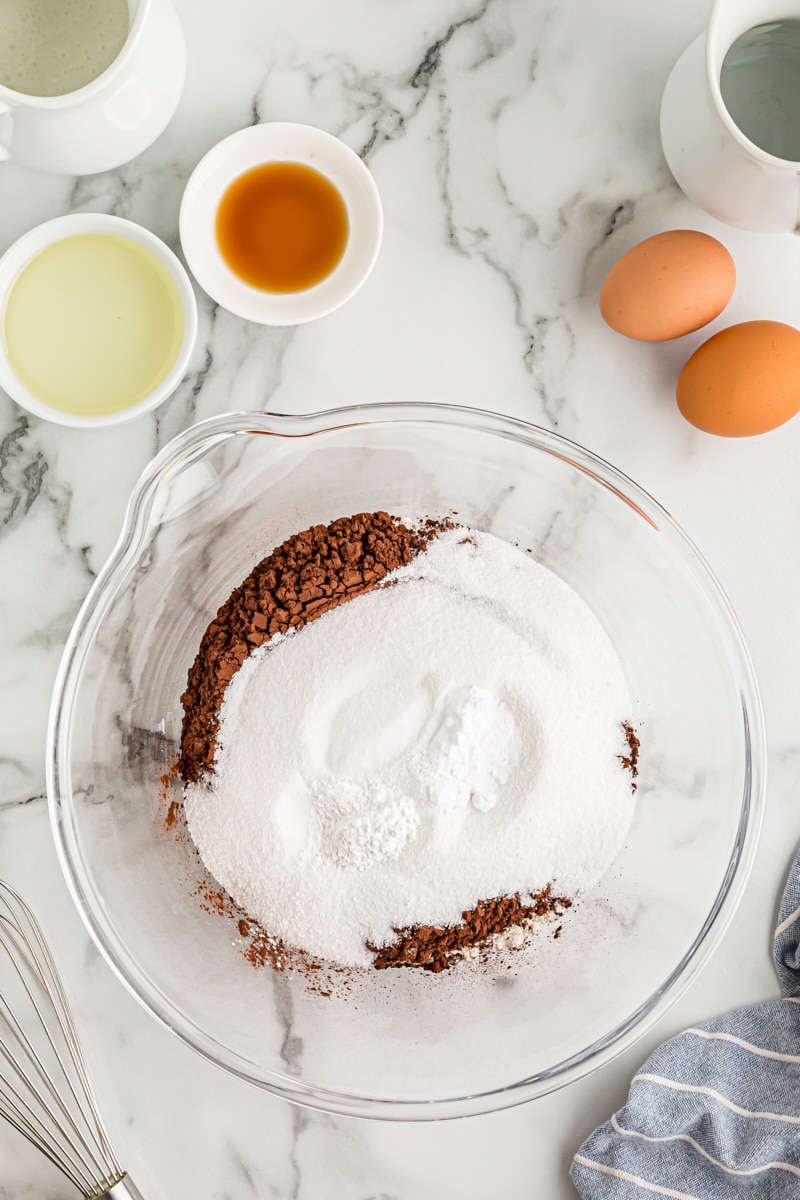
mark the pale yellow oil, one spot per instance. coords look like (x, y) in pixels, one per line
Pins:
(92, 324)
(53, 47)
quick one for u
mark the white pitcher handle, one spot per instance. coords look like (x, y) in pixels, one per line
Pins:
(5, 130)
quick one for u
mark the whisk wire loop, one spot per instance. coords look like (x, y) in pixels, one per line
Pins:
(45, 1092)
(51, 984)
(25, 1119)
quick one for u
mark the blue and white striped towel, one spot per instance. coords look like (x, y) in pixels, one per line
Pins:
(714, 1114)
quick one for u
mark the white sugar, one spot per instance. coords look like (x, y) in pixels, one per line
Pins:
(450, 738)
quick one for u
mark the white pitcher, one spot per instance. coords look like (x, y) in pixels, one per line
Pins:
(714, 163)
(114, 117)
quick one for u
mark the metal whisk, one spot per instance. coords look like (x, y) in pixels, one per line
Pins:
(45, 1091)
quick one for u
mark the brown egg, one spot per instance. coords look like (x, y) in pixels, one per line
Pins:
(744, 380)
(668, 285)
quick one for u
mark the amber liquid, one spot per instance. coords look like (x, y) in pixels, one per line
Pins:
(282, 227)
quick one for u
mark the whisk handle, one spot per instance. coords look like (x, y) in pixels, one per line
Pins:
(126, 1189)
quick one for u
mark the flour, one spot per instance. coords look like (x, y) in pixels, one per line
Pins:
(450, 738)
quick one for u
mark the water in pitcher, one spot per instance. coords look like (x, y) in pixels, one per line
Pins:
(760, 86)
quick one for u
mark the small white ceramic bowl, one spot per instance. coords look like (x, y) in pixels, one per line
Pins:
(21, 252)
(280, 141)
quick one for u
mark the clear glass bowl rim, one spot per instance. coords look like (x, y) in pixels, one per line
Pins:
(195, 440)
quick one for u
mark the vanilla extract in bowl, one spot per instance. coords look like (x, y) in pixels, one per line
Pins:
(281, 223)
(282, 227)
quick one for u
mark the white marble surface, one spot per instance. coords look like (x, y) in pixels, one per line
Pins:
(515, 146)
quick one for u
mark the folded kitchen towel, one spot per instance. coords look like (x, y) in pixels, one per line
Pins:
(714, 1113)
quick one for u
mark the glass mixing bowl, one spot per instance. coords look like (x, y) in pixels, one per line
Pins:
(411, 1044)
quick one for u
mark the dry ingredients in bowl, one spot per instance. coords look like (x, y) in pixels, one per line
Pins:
(433, 768)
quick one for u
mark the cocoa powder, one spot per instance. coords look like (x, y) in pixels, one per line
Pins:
(255, 943)
(308, 575)
(630, 761)
(436, 948)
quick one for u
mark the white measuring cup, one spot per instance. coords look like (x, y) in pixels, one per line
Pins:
(713, 161)
(114, 117)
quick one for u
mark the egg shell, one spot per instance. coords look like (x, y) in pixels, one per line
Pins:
(668, 285)
(744, 380)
